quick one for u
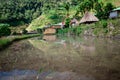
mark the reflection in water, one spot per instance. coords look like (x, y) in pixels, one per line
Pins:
(93, 58)
(34, 75)
(49, 37)
(18, 75)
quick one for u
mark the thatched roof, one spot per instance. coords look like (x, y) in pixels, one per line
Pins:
(49, 31)
(88, 18)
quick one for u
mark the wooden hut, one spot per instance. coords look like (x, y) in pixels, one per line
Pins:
(115, 13)
(49, 31)
(89, 18)
(74, 22)
(53, 28)
(58, 26)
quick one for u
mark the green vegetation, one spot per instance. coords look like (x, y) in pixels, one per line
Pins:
(102, 28)
(49, 18)
(39, 22)
(63, 9)
(4, 30)
(67, 23)
(70, 31)
(17, 12)
(8, 40)
(102, 10)
(24, 31)
(6, 25)
(41, 13)
(17, 29)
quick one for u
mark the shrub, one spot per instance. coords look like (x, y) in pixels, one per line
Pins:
(4, 30)
(39, 30)
(4, 24)
(78, 30)
(60, 31)
(105, 31)
(104, 24)
(67, 23)
(14, 33)
(74, 30)
(65, 30)
(24, 31)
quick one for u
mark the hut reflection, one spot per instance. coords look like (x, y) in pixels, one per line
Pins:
(49, 37)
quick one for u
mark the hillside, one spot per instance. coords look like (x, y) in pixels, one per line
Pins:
(17, 12)
(40, 22)
(52, 17)
(57, 14)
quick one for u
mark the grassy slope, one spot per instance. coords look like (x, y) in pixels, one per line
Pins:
(41, 21)
(8, 40)
(44, 19)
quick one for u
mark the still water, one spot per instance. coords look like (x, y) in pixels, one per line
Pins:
(61, 58)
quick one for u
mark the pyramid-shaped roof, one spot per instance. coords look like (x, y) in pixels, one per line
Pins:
(89, 17)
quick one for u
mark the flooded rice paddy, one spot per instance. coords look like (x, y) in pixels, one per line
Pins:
(61, 58)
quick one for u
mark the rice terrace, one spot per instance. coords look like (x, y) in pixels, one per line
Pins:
(59, 39)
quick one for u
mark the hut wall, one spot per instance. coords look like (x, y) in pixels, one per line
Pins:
(119, 14)
(113, 14)
(56, 26)
(50, 31)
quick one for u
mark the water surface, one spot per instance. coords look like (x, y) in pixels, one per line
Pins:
(63, 58)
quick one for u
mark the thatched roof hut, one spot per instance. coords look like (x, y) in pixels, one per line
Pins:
(74, 22)
(49, 31)
(58, 26)
(89, 18)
